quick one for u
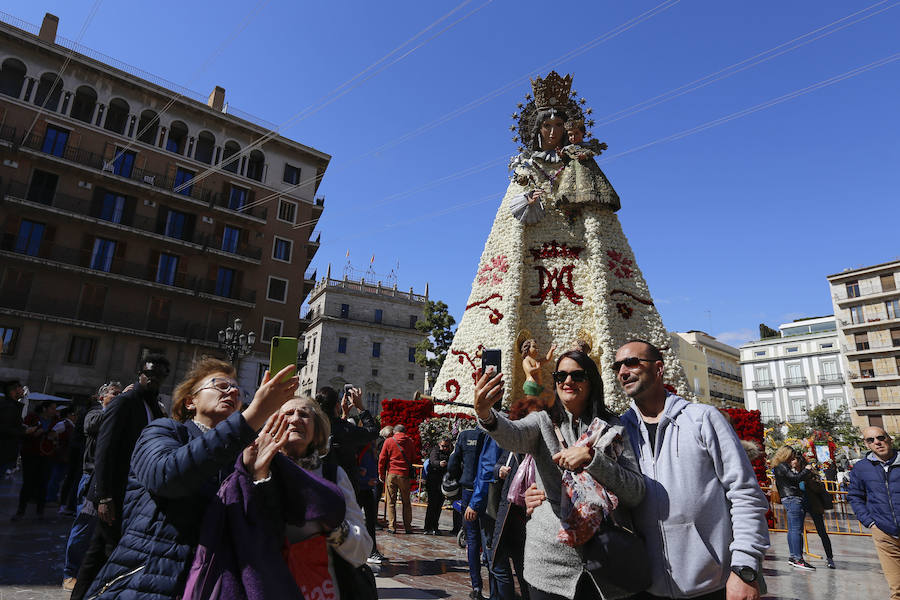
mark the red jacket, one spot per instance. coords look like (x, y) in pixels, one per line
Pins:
(392, 460)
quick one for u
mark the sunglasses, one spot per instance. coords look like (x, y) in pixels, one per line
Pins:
(577, 376)
(630, 362)
(880, 438)
(221, 385)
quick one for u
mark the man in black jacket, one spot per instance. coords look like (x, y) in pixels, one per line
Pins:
(463, 465)
(348, 439)
(124, 419)
(11, 428)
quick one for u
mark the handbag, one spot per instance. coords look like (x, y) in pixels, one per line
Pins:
(617, 556)
(357, 583)
(522, 480)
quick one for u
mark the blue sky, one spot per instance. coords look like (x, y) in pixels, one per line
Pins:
(733, 225)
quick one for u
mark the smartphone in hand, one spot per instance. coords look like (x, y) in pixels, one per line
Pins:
(490, 364)
(282, 352)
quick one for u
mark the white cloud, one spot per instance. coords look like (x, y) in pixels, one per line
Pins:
(738, 337)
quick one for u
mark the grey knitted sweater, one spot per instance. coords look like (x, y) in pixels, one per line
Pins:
(552, 566)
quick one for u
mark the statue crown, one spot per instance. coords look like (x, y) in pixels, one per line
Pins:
(553, 90)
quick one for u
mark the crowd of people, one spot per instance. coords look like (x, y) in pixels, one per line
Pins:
(557, 497)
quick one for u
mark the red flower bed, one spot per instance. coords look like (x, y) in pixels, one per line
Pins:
(411, 413)
(748, 425)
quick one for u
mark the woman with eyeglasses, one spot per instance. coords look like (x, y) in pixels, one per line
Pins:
(177, 468)
(555, 570)
(790, 476)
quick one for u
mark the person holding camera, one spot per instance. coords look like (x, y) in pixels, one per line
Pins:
(347, 439)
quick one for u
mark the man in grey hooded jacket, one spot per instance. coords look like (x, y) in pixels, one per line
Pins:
(703, 516)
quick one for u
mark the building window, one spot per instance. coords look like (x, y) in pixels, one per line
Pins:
(853, 289)
(759, 353)
(379, 315)
(895, 337)
(826, 346)
(282, 249)
(256, 164)
(287, 211)
(91, 303)
(342, 345)
(178, 133)
(123, 164)
(856, 314)
(158, 314)
(9, 336)
(291, 174)
(793, 349)
(340, 368)
(866, 369)
(411, 377)
(102, 254)
(762, 375)
(870, 394)
(55, 141)
(412, 354)
(166, 268)
(277, 290)
(29, 239)
(345, 311)
(230, 237)
(862, 341)
(376, 349)
(183, 176)
(175, 221)
(112, 207)
(81, 350)
(893, 309)
(224, 282)
(237, 199)
(374, 372)
(271, 328)
(43, 187)
(372, 402)
(888, 283)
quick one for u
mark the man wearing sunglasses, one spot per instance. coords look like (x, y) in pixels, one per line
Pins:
(703, 517)
(875, 497)
(124, 417)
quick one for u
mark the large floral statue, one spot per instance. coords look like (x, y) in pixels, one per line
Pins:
(556, 267)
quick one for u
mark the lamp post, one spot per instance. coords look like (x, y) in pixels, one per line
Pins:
(236, 344)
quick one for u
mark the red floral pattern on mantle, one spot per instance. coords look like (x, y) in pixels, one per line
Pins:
(556, 284)
(464, 357)
(492, 273)
(495, 315)
(619, 264)
(452, 386)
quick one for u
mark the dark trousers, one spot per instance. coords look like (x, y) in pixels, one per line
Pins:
(511, 546)
(819, 521)
(585, 591)
(473, 544)
(435, 503)
(369, 503)
(35, 475)
(717, 595)
(102, 544)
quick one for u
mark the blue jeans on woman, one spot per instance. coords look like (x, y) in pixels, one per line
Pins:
(796, 515)
(80, 533)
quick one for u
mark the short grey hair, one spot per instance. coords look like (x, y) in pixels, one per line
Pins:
(101, 391)
(399, 428)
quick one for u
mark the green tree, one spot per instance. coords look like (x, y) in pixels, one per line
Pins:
(821, 418)
(438, 324)
(767, 332)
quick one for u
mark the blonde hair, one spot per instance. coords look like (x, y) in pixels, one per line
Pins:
(321, 424)
(386, 431)
(783, 454)
(201, 369)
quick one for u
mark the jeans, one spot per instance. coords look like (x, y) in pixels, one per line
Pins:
(473, 544)
(80, 534)
(511, 545)
(796, 515)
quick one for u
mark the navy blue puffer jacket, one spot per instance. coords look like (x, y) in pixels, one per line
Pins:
(175, 473)
(875, 494)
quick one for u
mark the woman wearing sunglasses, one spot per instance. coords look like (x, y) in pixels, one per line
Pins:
(177, 468)
(555, 570)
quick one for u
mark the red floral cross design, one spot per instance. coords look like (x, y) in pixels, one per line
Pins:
(492, 272)
(619, 264)
(556, 284)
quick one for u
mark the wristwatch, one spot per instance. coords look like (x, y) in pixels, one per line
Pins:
(747, 574)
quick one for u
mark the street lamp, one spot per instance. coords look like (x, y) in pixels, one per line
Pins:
(236, 344)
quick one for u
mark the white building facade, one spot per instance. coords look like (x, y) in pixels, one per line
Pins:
(363, 334)
(786, 376)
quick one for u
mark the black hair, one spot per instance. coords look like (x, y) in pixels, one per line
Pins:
(542, 115)
(156, 359)
(596, 406)
(327, 398)
(12, 384)
(652, 350)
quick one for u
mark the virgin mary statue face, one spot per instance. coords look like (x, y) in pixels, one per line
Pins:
(552, 131)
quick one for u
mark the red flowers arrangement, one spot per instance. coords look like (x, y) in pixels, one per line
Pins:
(411, 413)
(748, 425)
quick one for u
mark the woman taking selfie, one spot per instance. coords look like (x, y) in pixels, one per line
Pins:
(176, 470)
(555, 570)
(788, 481)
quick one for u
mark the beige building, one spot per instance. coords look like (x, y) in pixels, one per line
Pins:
(722, 367)
(867, 305)
(694, 362)
(117, 241)
(364, 334)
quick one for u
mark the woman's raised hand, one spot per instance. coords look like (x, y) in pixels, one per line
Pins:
(258, 455)
(273, 392)
(488, 391)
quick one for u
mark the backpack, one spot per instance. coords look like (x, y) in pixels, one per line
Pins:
(353, 582)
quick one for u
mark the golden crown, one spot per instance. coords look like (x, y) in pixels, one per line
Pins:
(552, 90)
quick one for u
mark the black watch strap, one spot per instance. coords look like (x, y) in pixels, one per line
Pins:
(747, 574)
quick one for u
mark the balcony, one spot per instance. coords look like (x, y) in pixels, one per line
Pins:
(869, 296)
(719, 373)
(862, 350)
(158, 181)
(795, 382)
(211, 287)
(764, 384)
(831, 378)
(796, 418)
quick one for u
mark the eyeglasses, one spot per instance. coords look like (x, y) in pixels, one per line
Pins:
(221, 385)
(630, 362)
(880, 438)
(577, 376)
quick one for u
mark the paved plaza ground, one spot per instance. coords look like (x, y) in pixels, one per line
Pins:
(422, 566)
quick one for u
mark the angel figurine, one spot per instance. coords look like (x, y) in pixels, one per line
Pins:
(583, 180)
(531, 364)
